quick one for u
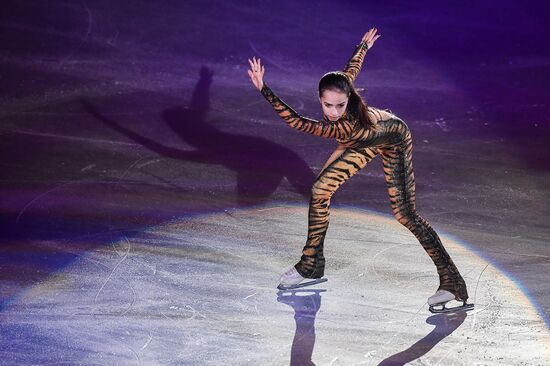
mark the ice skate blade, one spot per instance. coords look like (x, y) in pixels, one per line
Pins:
(443, 309)
(303, 284)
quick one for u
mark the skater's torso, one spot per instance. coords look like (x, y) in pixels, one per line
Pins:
(390, 131)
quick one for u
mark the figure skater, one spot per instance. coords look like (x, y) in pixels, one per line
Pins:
(362, 132)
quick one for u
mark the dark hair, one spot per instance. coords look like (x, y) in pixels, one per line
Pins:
(357, 107)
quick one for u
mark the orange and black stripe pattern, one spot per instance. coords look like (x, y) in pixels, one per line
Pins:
(353, 67)
(393, 142)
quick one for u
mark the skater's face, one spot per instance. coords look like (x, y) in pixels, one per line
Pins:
(334, 103)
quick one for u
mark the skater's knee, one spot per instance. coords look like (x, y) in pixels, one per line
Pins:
(405, 218)
(321, 190)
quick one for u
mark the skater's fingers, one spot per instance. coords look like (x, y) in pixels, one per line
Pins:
(367, 34)
(372, 33)
(255, 65)
(252, 78)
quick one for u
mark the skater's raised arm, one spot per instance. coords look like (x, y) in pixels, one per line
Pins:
(353, 67)
(339, 129)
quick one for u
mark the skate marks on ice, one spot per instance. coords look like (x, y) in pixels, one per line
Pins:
(202, 290)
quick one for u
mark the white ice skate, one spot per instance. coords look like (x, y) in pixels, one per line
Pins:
(292, 279)
(441, 298)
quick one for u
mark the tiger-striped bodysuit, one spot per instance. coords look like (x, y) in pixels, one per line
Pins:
(393, 141)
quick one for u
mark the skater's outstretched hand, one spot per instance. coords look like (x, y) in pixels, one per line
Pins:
(370, 37)
(256, 73)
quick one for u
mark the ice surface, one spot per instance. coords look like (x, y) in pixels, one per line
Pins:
(202, 290)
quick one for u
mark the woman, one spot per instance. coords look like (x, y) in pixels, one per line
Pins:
(362, 132)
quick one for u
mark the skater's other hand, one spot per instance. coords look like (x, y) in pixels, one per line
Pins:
(370, 37)
(256, 73)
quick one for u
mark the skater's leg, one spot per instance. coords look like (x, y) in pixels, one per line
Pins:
(312, 262)
(399, 176)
